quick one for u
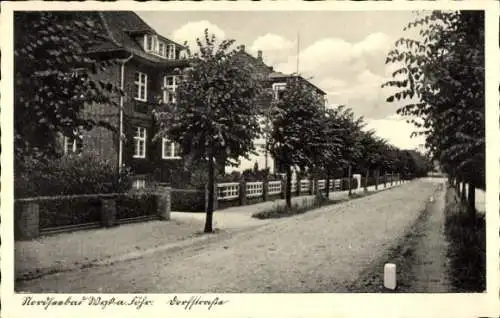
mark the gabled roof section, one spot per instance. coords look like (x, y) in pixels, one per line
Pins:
(276, 76)
(124, 28)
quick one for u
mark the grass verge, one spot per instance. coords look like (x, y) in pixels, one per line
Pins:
(280, 211)
(402, 253)
(467, 248)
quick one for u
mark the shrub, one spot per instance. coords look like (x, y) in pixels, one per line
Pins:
(65, 211)
(135, 205)
(69, 211)
(188, 201)
(83, 174)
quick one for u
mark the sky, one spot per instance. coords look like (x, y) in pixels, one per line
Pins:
(341, 52)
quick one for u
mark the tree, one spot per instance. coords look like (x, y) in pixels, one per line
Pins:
(295, 125)
(331, 158)
(442, 77)
(371, 153)
(49, 95)
(351, 151)
(215, 118)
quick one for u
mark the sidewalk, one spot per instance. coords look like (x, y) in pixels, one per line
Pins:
(431, 262)
(69, 251)
(240, 217)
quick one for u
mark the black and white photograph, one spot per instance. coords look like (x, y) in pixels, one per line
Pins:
(226, 151)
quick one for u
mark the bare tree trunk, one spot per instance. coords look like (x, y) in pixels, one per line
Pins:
(471, 200)
(327, 185)
(349, 183)
(288, 193)
(377, 173)
(211, 188)
(367, 173)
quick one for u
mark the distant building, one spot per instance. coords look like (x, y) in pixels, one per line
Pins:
(276, 82)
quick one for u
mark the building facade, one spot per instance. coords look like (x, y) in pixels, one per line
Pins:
(148, 73)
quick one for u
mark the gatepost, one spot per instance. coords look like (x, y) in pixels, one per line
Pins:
(28, 221)
(265, 189)
(108, 212)
(243, 192)
(163, 201)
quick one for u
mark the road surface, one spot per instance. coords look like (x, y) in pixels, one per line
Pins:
(321, 251)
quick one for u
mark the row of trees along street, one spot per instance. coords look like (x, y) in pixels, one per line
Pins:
(440, 81)
(215, 120)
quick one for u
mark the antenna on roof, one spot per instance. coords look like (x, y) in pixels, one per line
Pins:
(298, 49)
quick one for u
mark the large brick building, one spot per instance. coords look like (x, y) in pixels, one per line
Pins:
(147, 72)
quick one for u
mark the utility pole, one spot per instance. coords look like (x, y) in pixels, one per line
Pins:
(298, 51)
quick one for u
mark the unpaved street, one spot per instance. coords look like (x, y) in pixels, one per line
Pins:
(320, 251)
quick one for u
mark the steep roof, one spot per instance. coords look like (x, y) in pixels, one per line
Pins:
(123, 28)
(274, 76)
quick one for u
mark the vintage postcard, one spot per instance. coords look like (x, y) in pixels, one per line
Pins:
(250, 159)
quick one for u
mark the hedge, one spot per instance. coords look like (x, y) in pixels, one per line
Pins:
(69, 211)
(183, 200)
(135, 205)
(68, 175)
(66, 211)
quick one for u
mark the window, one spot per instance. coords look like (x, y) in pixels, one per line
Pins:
(170, 150)
(169, 88)
(139, 183)
(141, 84)
(162, 49)
(171, 52)
(140, 143)
(73, 145)
(157, 47)
(278, 90)
(150, 42)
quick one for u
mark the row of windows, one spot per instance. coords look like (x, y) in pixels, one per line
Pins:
(169, 87)
(153, 45)
(170, 150)
(170, 84)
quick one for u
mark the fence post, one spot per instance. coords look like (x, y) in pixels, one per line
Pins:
(298, 186)
(265, 189)
(28, 222)
(283, 188)
(108, 212)
(163, 202)
(243, 192)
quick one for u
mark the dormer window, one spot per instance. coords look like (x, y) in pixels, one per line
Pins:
(162, 49)
(157, 47)
(171, 52)
(150, 43)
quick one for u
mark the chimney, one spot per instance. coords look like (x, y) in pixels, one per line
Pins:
(242, 48)
(259, 55)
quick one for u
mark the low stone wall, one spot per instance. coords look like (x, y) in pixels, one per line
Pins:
(71, 212)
